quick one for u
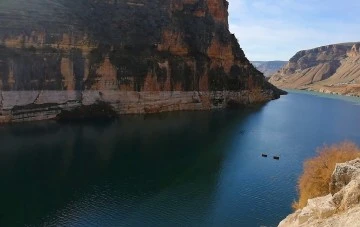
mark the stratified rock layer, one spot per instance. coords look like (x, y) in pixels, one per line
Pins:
(340, 208)
(136, 56)
(333, 69)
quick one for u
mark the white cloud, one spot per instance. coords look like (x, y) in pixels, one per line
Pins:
(277, 29)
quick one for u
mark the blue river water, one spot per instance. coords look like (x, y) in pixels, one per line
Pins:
(170, 169)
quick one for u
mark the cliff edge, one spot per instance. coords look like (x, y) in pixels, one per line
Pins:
(340, 208)
(121, 57)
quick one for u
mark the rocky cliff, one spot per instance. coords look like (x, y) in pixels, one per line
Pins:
(59, 57)
(340, 208)
(268, 67)
(330, 69)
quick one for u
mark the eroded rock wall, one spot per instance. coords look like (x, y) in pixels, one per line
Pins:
(65, 53)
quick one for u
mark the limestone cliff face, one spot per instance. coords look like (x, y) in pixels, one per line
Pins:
(340, 208)
(136, 56)
(331, 69)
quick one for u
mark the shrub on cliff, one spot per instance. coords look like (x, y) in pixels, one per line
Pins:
(315, 179)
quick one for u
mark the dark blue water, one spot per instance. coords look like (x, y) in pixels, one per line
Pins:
(173, 169)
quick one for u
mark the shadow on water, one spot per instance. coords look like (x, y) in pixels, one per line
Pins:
(155, 169)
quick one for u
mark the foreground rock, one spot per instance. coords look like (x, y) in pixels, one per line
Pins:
(332, 69)
(338, 209)
(121, 56)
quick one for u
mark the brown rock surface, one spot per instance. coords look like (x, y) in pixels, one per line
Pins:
(333, 69)
(338, 209)
(135, 56)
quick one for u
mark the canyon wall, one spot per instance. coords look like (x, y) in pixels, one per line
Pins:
(333, 69)
(59, 57)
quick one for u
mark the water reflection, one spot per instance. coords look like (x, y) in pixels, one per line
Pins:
(187, 169)
(156, 169)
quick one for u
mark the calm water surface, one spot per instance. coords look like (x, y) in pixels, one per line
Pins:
(174, 169)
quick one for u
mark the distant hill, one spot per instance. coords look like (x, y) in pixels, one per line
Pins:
(333, 69)
(268, 67)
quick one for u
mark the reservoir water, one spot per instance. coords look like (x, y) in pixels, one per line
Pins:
(171, 169)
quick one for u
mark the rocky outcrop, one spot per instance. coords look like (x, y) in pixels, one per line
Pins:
(333, 69)
(136, 56)
(340, 208)
(268, 67)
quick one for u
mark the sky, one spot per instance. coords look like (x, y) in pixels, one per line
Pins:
(277, 29)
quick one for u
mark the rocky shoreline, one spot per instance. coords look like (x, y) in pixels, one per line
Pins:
(340, 208)
(21, 106)
(343, 91)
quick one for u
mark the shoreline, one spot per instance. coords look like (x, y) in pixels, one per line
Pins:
(25, 106)
(350, 98)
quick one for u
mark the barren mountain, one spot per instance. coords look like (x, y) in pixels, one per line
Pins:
(330, 69)
(268, 67)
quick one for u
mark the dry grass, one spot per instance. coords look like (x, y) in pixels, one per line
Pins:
(314, 181)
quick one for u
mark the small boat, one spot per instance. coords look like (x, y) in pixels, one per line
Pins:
(276, 157)
(264, 155)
